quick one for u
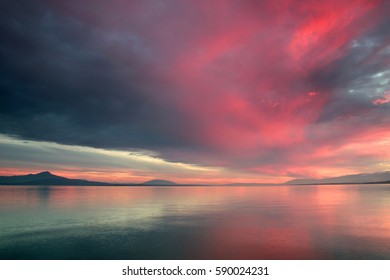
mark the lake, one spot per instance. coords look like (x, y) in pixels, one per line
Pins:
(265, 222)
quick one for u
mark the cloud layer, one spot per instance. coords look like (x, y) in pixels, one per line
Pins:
(284, 88)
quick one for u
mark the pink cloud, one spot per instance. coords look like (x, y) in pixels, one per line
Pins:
(382, 100)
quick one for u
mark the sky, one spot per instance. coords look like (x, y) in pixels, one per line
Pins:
(195, 91)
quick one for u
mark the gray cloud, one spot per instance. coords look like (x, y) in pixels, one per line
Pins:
(56, 85)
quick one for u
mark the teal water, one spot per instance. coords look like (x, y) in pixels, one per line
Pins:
(275, 222)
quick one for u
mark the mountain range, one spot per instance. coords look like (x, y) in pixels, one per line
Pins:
(47, 178)
(363, 178)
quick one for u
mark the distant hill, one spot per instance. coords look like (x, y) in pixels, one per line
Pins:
(249, 184)
(46, 178)
(364, 178)
(158, 182)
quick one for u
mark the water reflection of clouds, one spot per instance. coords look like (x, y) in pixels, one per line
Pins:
(302, 222)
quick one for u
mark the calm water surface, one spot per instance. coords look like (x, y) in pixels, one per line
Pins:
(286, 222)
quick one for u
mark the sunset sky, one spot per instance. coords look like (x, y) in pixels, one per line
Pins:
(198, 91)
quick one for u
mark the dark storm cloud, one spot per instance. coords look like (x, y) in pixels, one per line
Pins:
(58, 85)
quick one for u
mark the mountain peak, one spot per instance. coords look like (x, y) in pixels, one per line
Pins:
(44, 173)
